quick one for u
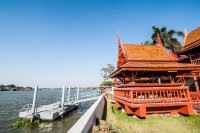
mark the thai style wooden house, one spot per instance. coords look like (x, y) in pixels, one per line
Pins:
(151, 80)
(191, 54)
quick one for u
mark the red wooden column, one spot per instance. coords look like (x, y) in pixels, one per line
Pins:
(133, 76)
(196, 82)
(131, 96)
(171, 77)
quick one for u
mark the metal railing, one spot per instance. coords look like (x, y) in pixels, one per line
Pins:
(27, 108)
(82, 96)
(71, 100)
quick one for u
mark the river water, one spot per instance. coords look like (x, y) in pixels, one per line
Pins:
(11, 102)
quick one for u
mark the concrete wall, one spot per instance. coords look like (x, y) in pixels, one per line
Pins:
(85, 123)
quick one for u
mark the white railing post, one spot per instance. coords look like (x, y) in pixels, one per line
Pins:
(69, 94)
(112, 91)
(34, 99)
(63, 97)
(77, 93)
(159, 80)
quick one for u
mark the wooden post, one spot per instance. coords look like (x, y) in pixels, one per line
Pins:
(133, 77)
(173, 79)
(196, 82)
(123, 79)
(131, 96)
(170, 76)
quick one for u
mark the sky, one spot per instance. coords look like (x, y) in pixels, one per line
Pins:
(52, 43)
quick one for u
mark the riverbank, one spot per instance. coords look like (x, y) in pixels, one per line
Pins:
(14, 88)
(117, 121)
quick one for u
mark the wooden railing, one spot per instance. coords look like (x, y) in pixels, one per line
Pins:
(196, 61)
(153, 84)
(181, 80)
(195, 96)
(145, 95)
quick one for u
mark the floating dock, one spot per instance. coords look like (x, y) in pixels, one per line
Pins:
(58, 109)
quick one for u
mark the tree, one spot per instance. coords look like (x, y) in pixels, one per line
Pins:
(147, 43)
(110, 68)
(12, 86)
(168, 38)
(106, 71)
(106, 83)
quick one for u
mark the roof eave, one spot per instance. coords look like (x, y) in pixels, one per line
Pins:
(190, 46)
(114, 74)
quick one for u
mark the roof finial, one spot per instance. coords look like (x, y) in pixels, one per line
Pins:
(173, 55)
(185, 32)
(119, 41)
(185, 36)
(160, 44)
(159, 41)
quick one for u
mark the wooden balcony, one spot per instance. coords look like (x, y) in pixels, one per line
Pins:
(143, 100)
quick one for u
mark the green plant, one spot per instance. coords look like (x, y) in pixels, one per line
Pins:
(106, 83)
(25, 123)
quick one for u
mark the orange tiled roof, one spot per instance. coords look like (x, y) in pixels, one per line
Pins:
(146, 53)
(192, 39)
(192, 36)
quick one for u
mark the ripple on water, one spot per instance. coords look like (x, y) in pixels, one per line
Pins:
(12, 102)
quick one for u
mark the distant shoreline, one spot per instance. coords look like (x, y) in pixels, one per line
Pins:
(19, 88)
(14, 88)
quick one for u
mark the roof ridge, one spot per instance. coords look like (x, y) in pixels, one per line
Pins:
(139, 44)
(194, 30)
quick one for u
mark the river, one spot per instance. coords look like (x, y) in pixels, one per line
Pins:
(11, 102)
